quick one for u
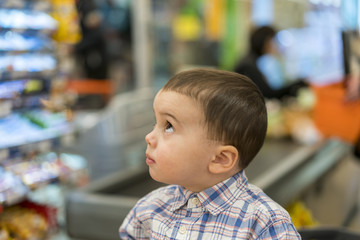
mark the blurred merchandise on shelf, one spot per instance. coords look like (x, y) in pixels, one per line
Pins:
(293, 117)
(28, 41)
(301, 215)
(75, 170)
(61, 99)
(66, 36)
(27, 59)
(186, 27)
(28, 221)
(43, 5)
(34, 68)
(34, 170)
(33, 127)
(65, 13)
(12, 89)
(19, 65)
(26, 19)
(22, 94)
(12, 189)
(37, 183)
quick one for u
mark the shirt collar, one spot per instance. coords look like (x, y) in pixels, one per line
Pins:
(181, 197)
(216, 198)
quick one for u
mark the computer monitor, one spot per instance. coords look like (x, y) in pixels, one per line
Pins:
(316, 51)
(313, 53)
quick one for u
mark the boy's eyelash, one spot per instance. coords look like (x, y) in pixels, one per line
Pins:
(169, 127)
(168, 124)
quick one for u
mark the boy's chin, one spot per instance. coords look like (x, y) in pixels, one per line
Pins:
(154, 176)
(157, 178)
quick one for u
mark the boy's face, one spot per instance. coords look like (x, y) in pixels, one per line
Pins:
(178, 150)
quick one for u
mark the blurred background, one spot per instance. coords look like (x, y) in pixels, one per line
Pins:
(77, 80)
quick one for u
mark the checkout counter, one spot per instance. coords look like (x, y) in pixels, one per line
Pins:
(283, 168)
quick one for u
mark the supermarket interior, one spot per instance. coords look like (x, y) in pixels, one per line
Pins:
(77, 84)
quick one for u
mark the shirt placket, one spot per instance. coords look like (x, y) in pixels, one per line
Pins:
(183, 227)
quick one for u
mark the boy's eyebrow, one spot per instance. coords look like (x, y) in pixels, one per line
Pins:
(170, 115)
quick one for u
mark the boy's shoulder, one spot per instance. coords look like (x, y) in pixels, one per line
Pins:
(159, 198)
(262, 205)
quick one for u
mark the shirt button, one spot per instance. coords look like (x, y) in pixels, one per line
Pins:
(196, 201)
(182, 230)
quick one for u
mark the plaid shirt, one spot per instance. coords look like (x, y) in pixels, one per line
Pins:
(232, 209)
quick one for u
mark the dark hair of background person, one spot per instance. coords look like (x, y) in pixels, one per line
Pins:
(258, 43)
(259, 39)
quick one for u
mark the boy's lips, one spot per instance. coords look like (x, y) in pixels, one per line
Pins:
(149, 160)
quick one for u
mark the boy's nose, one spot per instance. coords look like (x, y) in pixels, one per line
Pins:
(150, 138)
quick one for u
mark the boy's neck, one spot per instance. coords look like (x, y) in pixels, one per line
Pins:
(212, 180)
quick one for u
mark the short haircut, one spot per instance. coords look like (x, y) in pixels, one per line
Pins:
(234, 107)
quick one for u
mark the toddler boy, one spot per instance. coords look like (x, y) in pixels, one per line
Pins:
(210, 124)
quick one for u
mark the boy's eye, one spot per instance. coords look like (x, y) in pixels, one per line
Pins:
(169, 127)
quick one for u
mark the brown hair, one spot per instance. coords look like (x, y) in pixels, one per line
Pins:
(234, 107)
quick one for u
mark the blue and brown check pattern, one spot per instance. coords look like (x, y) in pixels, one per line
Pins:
(232, 209)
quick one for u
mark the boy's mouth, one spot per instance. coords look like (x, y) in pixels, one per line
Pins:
(149, 160)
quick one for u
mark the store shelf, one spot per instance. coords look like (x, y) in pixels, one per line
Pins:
(26, 19)
(17, 131)
(28, 5)
(28, 66)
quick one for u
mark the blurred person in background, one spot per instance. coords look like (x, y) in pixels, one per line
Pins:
(261, 65)
(91, 50)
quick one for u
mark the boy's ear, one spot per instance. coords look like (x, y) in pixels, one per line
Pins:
(225, 160)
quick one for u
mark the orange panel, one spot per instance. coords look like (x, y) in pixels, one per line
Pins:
(89, 86)
(333, 116)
